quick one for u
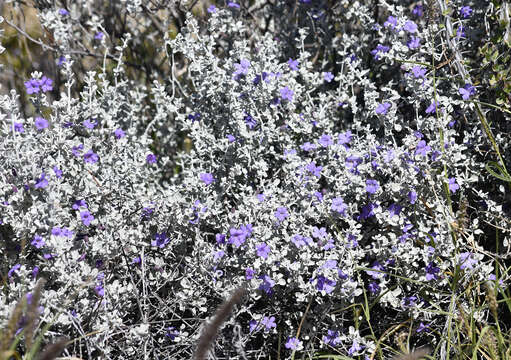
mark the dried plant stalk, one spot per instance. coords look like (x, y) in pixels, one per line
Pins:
(9, 332)
(53, 350)
(33, 313)
(416, 355)
(211, 330)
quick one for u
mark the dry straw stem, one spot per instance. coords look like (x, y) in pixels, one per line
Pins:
(53, 350)
(33, 313)
(9, 332)
(211, 330)
(416, 355)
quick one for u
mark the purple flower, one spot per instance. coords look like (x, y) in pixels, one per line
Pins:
(78, 204)
(220, 239)
(67, 233)
(322, 283)
(432, 107)
(100, 291)
(194, 117)
(90, 157)
(151, 158)
(422, 327)
(206, 178)
(376, 274)
(286, 94)
(252, 324)
(389, 156)
(422, 148)
(379, 49)
(417, 10)
(410, 26)
(418, 71)
(76, 150)
(119, 133)
(160, 240)
(460, 32)
(46, 84)
(99, 35)
(355, 347)
(89, 124)
(268, 322)
(237, 237)
(61, 60)
(241, 68)
(281, 213)
(453, 186)
(431, 271)
(328, 76)
(13, 270)
(298, 240)
(35, 271)
(40, 123)
(382, 108)
(262, 250)
(412, 196)
(249, 120)
(339, 206)
(391, 21)
(318, 233)
(63, 12)
(261, 197)
(32, 86)
(249, 273)
(41, 182)
(172, 333)
(267, 284)
(466, 260)
(352, 162)
(466, 11)
(293, 64)
(332, 338)
(313, 169)
(394, 209)
(345, 138)
(318, 195)
(233, 5)
(374, 288)
(372, 186)
(38, 241)
(230, 138)
(18, 127)
(86, 217)
(58, 172)
(307, 146)
(409, 301)
(330, 264)
(212, 9)
(414, 42)
(218, 255)
(325, 140)
(293, 343)
(467, 91)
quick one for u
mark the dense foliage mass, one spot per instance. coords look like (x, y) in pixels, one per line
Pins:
(342, 159)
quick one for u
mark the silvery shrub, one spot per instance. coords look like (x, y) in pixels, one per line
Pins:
(323, 163)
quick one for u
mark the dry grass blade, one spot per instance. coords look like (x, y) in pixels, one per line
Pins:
(33, 313)
(211, 330)
(416, 355)
(53, 350)
(9, 332)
